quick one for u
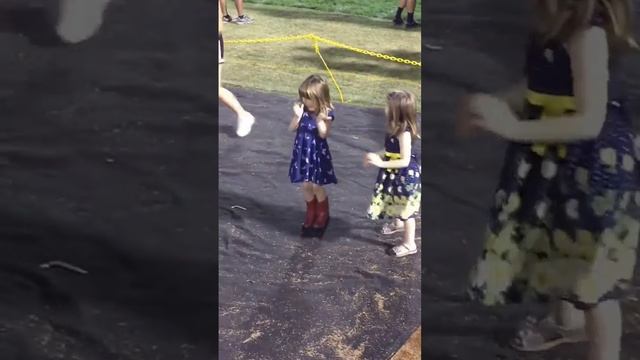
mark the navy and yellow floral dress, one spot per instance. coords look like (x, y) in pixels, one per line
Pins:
(564, 223)
(311, 158)
(397, 192)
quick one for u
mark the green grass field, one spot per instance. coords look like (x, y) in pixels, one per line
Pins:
(280, 67)
(382, 9)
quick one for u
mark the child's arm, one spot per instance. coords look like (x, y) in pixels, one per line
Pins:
(589, 53)
(324, 125)
(515, 95)
(374, 158)
(298, 111)
(295, 121)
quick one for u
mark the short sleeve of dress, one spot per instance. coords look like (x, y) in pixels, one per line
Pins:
(331, 115)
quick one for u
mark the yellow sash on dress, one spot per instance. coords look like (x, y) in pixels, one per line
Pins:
(553, 106)
(393, 156)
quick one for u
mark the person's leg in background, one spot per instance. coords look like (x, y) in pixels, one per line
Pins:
(242, 17)
(226, 17)
(411, 8)
(398, 19)
(245, 118)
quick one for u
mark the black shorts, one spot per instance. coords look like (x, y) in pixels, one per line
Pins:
(220, 49)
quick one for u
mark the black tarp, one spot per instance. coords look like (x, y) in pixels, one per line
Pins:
(107, 162)
(283, 297)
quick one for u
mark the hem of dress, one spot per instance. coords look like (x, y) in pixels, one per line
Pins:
(617, 294)
(313, 182)
(388, 217)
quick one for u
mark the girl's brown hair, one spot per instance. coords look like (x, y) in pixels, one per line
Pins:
(402, 114)
(561, 19)
(316, 89)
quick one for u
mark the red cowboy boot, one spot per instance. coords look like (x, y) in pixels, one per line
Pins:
(312, 208)
(322, 219)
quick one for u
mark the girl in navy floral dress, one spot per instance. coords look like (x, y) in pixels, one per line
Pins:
(564, 223)
(397, 192)
(311, 159)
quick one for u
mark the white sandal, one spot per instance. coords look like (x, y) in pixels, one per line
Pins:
(540, 335)
(402, 250)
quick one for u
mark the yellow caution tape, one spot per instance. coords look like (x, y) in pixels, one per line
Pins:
(316, 40)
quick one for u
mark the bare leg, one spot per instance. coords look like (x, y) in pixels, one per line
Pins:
(409, 239)
(408, 245)
(411, 8)
(567, 316)
(245, 119)
(230, 101)
(604, 329)
(320, 192)
(223, 5)
(227, 97)
(411, 5)
(239, 7)
(308, 191)
(398, 18)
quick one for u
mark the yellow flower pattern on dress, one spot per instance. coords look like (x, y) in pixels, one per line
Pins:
(565, 219)
(397, 193)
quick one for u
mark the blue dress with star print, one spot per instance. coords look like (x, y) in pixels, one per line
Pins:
(564, 219)
(311, 158)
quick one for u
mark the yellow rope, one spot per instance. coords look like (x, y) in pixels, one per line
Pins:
(291, 69)
(316, 40)
(267, 40)
(367, 52)
(317, 49)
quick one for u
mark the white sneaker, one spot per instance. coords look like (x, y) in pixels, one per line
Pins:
(78, 20)
(245, 122)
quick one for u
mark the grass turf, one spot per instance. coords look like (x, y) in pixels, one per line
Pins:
(382, 9)
(281, 67)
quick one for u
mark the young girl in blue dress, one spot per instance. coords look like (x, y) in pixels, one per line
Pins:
(311, 159)
(564, 223)
(397, 192)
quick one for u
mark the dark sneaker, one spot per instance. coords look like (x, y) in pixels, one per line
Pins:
(398, 21)
(227, 19)
(412, 24)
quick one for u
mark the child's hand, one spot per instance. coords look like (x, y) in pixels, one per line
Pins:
(372, 159)
(482, 111)
(322, 117)
(298, 109)
(466, 120)
(492, 112)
